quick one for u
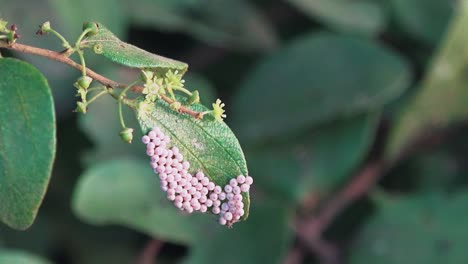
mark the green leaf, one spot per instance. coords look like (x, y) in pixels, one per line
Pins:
(362, 16)
(209, 145)
(315, 163)
(123, 53)
(27, 141)
(442, 96)
(428, 229)
(317, 78)
(127, 192)
(264, 238)
(11, 256)
(426, 20)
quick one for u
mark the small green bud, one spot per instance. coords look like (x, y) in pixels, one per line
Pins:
(194, 98)
(81, 107)
(176, 106)
(126, 135)
(92, 27)
(147, 76)
(98, 49)
(45, 27)
(84, 82)
(12, 36)
(3, 25)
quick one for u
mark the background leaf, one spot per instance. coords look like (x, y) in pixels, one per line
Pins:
(11, 256)
(127, 192)
(415, 229)
(294, 89)
(209, 145)
(234, 24)
(272, 237)
(426, 20)
(314, 163)
(444, 82)
(362, 16)
(27, 141)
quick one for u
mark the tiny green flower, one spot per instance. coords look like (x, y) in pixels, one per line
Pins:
(147, 76)
(3, 25)
(218, 111)
(173, 80)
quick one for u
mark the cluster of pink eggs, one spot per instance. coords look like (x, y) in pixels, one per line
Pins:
(194, 192)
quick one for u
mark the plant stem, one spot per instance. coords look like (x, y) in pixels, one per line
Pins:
(59, 36)
(57, 56)
(184, 91)
(121, 97)
(83, 63)
(96, 96)
(82, 35)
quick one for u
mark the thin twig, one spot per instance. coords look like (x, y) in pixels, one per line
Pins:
(149, 252)
(295, 256)
(310, 230)
(61, 57)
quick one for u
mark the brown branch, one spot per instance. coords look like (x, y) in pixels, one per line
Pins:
(310, 230)
(295, 256)
(63, 58)
(149, 252)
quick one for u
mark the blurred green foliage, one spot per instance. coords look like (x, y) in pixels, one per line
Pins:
(315, 90)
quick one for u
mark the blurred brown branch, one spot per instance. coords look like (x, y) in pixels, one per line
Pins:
(149, 252)
(310, 229)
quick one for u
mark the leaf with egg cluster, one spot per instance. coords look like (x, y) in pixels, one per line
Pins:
(104, 42)
(209, 145)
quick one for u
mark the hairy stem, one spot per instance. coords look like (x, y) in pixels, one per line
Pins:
(63, 58)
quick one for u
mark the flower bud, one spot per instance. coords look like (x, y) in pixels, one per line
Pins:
(84, 82)
(194, 98)
(176, 106)
(45, 27)
(92, 26)
(126, 135)
(80, 107)
(3, 25)
(147, 76)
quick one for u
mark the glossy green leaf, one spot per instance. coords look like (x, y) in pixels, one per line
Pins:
(317, 78)
(27, 141)
(442, 96)
(11, 256)
(429, 228)
(127, 192)
(316, 163)
(209, 145)
(234, 23)
(264, 238)
(426, 20)
(123, 53)
(362, 16)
